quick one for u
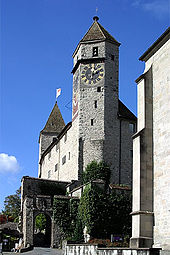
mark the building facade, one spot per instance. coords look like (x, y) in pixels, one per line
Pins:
(101, 126)
(151, 147)
(101, 129)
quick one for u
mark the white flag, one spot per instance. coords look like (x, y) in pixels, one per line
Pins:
(58, 92)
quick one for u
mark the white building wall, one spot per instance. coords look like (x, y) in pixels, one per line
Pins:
(68, 148)
(160, 62)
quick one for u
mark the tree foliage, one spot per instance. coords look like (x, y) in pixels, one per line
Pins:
(40, 222)
(12, 205)
(105, 214)
(96, 171)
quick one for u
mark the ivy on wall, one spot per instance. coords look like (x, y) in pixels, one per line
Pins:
(102, 211)
(105, 214)
(65, 213)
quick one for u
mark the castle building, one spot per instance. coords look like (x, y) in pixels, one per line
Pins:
(151, 147)
(101, 126)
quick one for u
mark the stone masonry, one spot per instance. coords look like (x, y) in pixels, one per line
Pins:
(151, 175)
(109, 137)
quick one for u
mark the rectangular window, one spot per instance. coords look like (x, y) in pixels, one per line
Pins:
(49, 173)
(131, 153)
(95, 104)
(95, 51)
(49, 155)
(98, 89)
(132, 128)
(65, 138)
(91, 122)
(54, 139)
(64, 160)
(112, 57)
(56, 167)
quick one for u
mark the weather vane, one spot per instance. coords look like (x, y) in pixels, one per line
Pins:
(96, 10)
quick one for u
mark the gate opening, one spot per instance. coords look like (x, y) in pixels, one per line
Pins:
(42, 230)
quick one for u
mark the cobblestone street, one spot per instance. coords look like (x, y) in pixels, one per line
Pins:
(39, 251)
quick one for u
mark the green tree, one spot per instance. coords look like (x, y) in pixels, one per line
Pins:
(104, 214)
(40, 222)
(12, 205)
(95, 170)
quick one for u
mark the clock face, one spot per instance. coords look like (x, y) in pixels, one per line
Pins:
(92, 73)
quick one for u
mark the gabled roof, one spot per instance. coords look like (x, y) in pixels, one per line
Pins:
(125, 113)
(97, 32)
(55, 122)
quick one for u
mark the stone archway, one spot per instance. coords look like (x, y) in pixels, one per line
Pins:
(32, 207)
(37, 197)
(42, 230)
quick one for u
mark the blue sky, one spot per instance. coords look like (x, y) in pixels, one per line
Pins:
(38, 39)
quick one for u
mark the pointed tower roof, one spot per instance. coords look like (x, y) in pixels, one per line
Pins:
(97, 32)
(55, 122)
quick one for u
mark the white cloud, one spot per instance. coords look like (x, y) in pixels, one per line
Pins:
(157, 7)
(8, 163)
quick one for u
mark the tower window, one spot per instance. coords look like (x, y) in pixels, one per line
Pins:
(95, 104)
(112, 57)
(132, 127)
(92, 122)
(95, 51)
(69, 155)
(98, 89)
(131, 153)
(54, 139)
(64, 160)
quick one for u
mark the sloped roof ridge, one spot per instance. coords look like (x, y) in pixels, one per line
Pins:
(107, 34)
(55, 122)
(88, 32)
(124, 112)
(103, 34)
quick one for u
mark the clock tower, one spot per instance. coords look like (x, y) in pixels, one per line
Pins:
(95, 99)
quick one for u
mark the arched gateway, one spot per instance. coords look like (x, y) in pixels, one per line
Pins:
(37, 198)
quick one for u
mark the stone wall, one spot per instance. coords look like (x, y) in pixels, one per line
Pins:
(126, 155)
(161, 144)
(151, 175)
(31, 186)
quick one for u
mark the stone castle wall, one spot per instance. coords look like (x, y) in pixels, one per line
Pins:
(103, 140)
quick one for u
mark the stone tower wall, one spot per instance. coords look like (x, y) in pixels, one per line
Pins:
(45, 140)
(111, 122)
